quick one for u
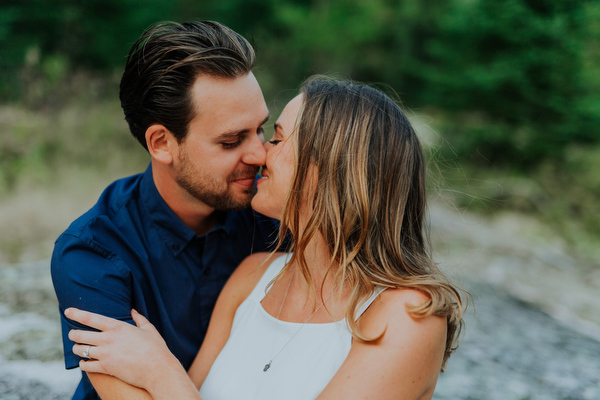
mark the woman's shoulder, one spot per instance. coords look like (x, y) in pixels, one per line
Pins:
(396, 299)
(255, 265)
(403, 296)
(404, 353)
(249, 272)
(390, 312)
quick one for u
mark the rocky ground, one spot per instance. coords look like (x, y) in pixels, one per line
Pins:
(533, 330)
(31, 366)
(514, 351)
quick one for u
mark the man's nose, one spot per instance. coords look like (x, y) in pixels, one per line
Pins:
(256, 154)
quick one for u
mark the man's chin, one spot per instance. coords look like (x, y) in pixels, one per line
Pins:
(234, 203)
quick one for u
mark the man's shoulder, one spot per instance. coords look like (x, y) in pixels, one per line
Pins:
(105, 214)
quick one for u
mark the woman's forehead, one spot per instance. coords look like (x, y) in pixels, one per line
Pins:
(289, 115)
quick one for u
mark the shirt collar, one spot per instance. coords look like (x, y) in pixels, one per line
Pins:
(174, 232)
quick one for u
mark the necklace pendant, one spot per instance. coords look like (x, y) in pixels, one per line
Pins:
(267, 366)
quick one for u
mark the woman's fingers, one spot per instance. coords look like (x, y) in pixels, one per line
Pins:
(92, 320)
(85, 351)
(119, 347)
(91, 366)
(140, 320)
(85, 337)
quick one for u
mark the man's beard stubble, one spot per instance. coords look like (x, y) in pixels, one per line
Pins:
(204, 187)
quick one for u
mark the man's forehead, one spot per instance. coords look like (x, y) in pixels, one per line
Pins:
(228, 104)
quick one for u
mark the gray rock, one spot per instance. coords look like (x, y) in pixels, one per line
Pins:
(513, 351)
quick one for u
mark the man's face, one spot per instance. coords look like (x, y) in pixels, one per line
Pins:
(218, 160)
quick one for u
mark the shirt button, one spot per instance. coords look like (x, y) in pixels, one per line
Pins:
(176, 247)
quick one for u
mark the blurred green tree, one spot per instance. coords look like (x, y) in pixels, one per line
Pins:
(521, 73)
(519, 78)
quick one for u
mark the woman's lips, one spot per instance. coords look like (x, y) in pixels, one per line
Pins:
(264, 176)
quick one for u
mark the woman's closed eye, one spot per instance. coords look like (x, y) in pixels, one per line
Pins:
(274, 141)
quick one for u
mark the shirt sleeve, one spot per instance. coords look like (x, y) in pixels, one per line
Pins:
(87, 276)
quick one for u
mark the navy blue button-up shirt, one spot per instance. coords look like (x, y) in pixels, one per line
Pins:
(131, 251)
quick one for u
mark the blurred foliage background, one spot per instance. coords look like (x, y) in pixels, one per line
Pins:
(510, 88)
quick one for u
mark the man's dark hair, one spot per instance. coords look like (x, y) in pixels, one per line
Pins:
(163, 65)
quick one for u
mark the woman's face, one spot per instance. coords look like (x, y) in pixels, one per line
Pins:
(278, 173)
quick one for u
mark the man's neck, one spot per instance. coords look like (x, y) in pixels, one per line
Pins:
(198, 216)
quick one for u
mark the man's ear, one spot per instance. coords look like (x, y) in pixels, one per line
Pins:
(162, 145)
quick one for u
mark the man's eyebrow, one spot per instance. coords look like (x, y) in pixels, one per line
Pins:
(234, 134)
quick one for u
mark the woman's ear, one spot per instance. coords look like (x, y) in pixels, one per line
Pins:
(162, 145)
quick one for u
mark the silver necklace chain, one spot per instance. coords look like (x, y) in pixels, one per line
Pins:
(286, 292)
(268, 365)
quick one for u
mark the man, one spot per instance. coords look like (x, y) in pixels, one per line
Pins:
(164, 242)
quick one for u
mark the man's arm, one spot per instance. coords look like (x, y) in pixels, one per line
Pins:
(88, 277)
(139, 355)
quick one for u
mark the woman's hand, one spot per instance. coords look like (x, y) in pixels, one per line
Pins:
(137, 355)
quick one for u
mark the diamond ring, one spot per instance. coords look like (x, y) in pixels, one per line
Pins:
(86, 353)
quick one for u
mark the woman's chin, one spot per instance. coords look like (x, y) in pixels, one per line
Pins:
(258, 205)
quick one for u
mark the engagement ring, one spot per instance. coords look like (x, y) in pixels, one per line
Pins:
(86, 353)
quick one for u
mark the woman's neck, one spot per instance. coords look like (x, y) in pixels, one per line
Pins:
(318, 260)
(323, 277)
(291, 298)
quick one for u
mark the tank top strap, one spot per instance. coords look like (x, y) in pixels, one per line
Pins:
(258, 293)
(376, 292)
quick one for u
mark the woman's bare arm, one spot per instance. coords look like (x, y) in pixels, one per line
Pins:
(109, 387)
(136, 355)
(403, 364)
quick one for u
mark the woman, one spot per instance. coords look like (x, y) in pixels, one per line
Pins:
(358, 309)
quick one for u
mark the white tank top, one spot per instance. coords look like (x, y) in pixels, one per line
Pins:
(302, 366)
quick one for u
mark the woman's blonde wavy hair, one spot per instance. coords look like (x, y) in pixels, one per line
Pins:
(370, 200)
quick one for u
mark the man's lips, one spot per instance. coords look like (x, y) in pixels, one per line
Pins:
(244, 177)
(245, 181)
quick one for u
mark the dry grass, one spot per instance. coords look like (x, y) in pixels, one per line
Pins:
(53, 166)
(32, 216)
